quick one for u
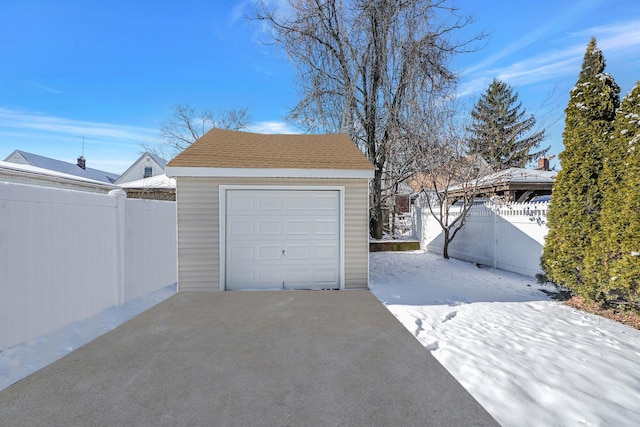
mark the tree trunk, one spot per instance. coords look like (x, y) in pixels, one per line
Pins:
(445, 248)
(376, 221)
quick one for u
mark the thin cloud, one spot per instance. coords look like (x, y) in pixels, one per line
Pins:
(48, 89)
(552, 26)
(616, 35)
(270, 127)
(37, 122)
(238, 12)
(556, 64)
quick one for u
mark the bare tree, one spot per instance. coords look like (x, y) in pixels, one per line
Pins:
(186, 125)
(366, 67)
(447, 176)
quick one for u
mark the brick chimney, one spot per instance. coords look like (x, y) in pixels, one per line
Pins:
(543, 164)
(82, 163)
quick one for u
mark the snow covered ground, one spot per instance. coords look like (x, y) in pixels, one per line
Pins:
(21, 360)
(528, 360)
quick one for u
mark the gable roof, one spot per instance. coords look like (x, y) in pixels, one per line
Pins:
(64, 167)
(159, 160)
(224, 152)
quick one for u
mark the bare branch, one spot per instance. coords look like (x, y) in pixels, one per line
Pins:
(185, 126)
(370, 68)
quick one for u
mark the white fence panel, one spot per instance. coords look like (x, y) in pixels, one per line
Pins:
(508, 238)
(63, 256)
(150, 246)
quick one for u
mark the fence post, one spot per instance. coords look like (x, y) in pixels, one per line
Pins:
(120, 196)
(494, 210)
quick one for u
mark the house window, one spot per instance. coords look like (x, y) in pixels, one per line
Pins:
(148, 171)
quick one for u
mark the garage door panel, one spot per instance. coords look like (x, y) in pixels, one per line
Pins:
(239, 227)
(327, 277)
(298, 252)
(240, 202)
(269, 278)
(325, 252)
(325, 227)
(269, 252)
(298, 202)
(283, 239)
(269, 203)
(298, 227)
(298, 277)
(317, 278)
(241, 253)
(325, 203)
(240, 279)
(269, 227)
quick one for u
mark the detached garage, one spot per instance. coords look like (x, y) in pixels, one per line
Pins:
(269, 212)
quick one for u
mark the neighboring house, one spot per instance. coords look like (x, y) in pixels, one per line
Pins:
(262, 211)
(158, 187)
(27, 174)
(472, 166)
(79, 169)
(146, 166)
(514, 184)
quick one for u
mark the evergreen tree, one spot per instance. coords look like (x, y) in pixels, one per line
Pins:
(576, 199)
(500, 129)
(613, 260)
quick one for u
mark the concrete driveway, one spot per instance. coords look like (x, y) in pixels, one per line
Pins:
(296, 358)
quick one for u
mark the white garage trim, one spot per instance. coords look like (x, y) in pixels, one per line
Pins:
(203, 172)
(223, 189)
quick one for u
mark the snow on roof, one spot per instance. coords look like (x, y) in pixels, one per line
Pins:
(26, 173)
(157, 181)
(67, 168)
(520, 175)
(514, 175)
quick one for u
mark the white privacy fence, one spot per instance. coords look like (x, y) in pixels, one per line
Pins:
(507, 237)
(66, 255)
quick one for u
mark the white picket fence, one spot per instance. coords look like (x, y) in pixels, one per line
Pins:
(507, 237)
(66, 255)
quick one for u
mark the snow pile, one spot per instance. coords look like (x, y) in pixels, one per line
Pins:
(528, 360)
(21, 360)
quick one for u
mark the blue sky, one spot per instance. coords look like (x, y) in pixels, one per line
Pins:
(109, 72)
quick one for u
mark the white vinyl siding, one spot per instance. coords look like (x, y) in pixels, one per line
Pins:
(198, 228)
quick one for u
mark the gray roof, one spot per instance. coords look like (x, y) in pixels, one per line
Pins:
(159, 160)
(33, 175)
(67, 168)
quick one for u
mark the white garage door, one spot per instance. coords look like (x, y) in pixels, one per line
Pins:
(282, 239)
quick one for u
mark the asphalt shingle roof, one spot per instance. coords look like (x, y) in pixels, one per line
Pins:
(220, 148)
